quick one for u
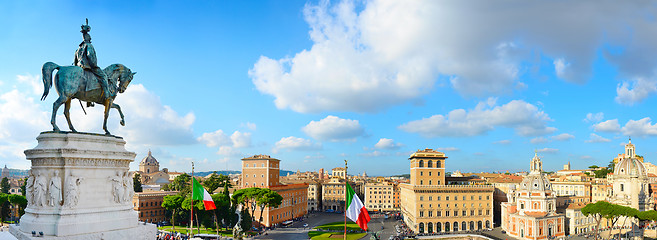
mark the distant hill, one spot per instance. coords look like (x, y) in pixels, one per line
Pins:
(228, 172)
(403, 175)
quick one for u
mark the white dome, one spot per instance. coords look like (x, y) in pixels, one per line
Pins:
(535, 182)
(630, 167)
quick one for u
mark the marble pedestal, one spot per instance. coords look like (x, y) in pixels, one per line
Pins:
(79, 188)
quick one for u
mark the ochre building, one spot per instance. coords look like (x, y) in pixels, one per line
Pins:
(263, 171)
(429, 205)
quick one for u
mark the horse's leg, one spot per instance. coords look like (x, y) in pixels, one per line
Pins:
(107, 104)
(114, 105)
(67, 107)
(55, 106)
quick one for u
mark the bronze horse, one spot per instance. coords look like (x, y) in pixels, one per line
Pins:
(74, 82)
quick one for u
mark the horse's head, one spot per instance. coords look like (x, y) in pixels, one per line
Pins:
(125, 79)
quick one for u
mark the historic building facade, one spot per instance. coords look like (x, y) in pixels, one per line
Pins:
(149, 206)
(149, 170)
(379, 197)
(429, 205)
(263, 171)
(531, 212)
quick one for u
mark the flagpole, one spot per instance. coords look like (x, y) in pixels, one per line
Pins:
(345, 199)
(191, 226)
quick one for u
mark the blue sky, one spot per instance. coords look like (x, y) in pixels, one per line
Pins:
(313, 83)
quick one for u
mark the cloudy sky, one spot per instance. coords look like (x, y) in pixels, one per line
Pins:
(313, 83)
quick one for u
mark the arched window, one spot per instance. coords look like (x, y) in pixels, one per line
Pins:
(421, 228)
(421, 163)
(446, 226)
(438, 163)
(472, 227)
(438, 227)
(464, 226)
(429, 164)
(487, 224)
(479, 225)
(455, 226)
(429, 227)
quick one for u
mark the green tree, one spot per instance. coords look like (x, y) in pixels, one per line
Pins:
(249, 198)
(136, 182)
(602, 173)
(182, 183)
(222, 202)
(172, 203)
(593, 166)
(198, 206)
(611, 165)
(215, 181)
(23, 186)
(19, 202)
(626, 212)
(597, 211)
(268, 198)
(4, 185)
(4, 199)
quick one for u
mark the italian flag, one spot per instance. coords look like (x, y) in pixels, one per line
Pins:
(356, 210)
(199, 193)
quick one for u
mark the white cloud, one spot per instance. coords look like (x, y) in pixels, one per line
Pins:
(367, 57)
(538, 140)
(607, 126)
(249, 125)
(148, 121)
(585, 157)
(594, 138)
(548, 150)
(526, 119)
(228, 151)
(633, 91)
(333, 128)
(374, 154)
(387, 143)
(295, 143)
(33, 81)
(640, 128)
(240, 139)
(21, 121)
(213, 139)
(594, 117)
(563, 137)
(560, 66)
(448, 149)
(502, 142)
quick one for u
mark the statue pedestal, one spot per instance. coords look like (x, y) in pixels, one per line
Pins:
(79, 188)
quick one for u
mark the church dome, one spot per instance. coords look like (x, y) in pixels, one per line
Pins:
(149, 160)
(630, 167)
(535, 180)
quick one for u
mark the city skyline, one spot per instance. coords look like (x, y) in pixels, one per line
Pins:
(312, 83)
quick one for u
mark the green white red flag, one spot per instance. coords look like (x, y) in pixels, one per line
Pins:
(200, 193)
(356, 210)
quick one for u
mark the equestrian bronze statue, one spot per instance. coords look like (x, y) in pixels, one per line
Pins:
(85, 81)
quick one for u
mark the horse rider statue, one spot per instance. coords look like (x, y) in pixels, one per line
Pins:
(85, 57)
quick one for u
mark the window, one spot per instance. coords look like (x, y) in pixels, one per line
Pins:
(446, 213)
(421, 173)
(421, 182)
(439, 213)
(429, 182)
(463, 198)
(247, 165)
(421, 163)
(471, 197)
(421, 213)
(421, 198)
(456, 213)
(479, 197)
(438, 198)
(621, 187)
(463, 213)
(430, 213)
(447, 198)
(429, 173)
(263, 165)
(430, 198)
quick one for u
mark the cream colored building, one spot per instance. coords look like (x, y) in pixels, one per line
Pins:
(333, 194)
(314, 196)
(430, 206)
(379, 196)
(339, 172)
(576, 222)
(567, 188)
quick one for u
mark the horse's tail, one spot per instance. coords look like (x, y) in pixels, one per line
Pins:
(46, 72)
